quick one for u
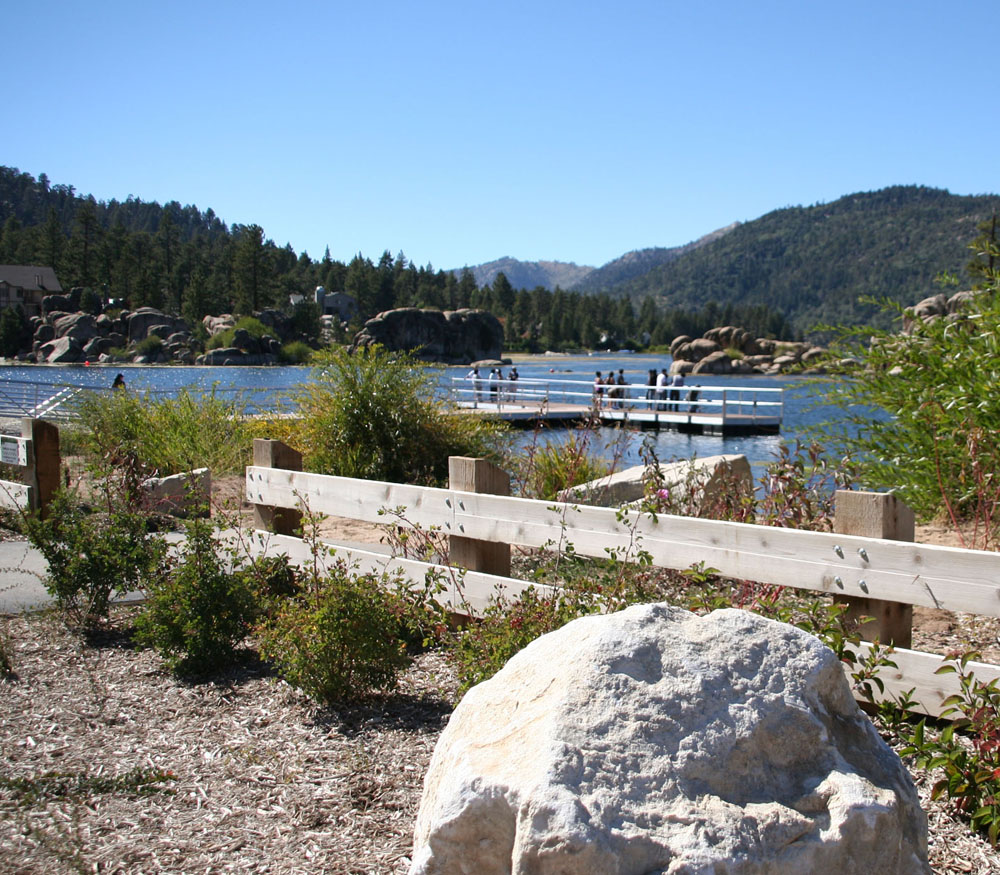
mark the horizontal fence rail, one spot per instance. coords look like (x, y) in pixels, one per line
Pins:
(836, 564)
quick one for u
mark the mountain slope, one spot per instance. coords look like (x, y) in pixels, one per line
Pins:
(639, 262)
(813, 263)
(529, 274)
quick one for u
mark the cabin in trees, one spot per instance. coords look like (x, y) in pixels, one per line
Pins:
(27, 284)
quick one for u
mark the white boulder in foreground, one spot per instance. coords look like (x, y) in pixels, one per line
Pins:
(656, 741)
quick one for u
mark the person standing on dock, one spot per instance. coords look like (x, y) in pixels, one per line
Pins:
(598, 388)
(675, 390)
(477, 386)
(494, 384)
(621, 391)
(651, 390)
(512, 387)
(661, 389)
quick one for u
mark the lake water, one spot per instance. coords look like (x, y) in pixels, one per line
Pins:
(261, 385)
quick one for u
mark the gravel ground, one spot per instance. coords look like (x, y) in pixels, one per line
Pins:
(253, 777)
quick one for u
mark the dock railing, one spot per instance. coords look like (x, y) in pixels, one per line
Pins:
(881, 575)
(632, 401)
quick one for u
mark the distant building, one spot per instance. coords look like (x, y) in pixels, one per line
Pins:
(336, 304)
(27, 284)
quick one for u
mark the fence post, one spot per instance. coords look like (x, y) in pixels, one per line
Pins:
(466, 474)
(275, 454)
(876, 515)
(44, 462)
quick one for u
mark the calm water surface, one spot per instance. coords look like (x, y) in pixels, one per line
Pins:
(262, 385)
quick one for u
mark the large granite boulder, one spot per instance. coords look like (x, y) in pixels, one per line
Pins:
(140, 321)
(61, 351)
(656, 741)
(456, 337)
(82, 327)
(708, 477)
(717, 362)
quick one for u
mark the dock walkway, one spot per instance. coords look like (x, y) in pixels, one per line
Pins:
(697, 409)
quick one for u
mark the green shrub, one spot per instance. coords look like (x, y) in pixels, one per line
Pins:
(197, 614)
(296, 353)
(375, 415)
(549, 467)
(923, 410)
(339, 640)
(484, 646)
(149, 345)
(254, 327)
(166, 436)
(93, 556)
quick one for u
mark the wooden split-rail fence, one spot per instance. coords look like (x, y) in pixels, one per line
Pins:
(34, 456)
(868, 561)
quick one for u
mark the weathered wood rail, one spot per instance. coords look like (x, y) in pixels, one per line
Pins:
(876, 569)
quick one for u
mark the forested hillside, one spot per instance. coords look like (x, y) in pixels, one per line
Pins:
(188, 261)
(813, 263)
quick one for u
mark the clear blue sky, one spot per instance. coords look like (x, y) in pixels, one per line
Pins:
(460, 132)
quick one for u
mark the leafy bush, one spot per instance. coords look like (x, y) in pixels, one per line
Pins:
(375, 415)
(339, 640)
(254, 327)
(296, 353)
(924, 408)
(966, 752)
(550, 466)
(93, 556)
(199, 611)
(149, 346)
(166, 436)
(484, 647)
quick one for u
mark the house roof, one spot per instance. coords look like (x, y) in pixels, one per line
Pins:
(31, 277)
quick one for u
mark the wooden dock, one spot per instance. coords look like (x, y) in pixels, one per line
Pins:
(716, 410)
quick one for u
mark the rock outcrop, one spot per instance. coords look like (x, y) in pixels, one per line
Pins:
(657, 741)
(706, 476)
(733, 350)
(937, 307)
(454, 337)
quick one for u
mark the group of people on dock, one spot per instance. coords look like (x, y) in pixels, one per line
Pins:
(663, 392)
(500, 388)
(613, 388)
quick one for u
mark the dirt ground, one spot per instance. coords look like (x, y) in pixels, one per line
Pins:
(109, 764)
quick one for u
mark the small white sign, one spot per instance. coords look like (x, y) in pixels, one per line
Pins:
(13, 450)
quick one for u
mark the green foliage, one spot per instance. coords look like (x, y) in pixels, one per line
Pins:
(254, 327)
(482, 648)
(149, 346)
(374, 414)
(199, 611)
(90, 302)
(49, 786)
(166, 436)
(965, 752)
(549, 466)
(339, 640)
(93, 556)
(923, 411)
(15, 332)
(296, 353)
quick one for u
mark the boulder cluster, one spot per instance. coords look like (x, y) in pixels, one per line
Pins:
(453, 337)
(734, 350)
(63, 334)
(937, 307)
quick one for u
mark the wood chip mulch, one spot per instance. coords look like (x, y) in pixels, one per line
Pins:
(260, 779)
